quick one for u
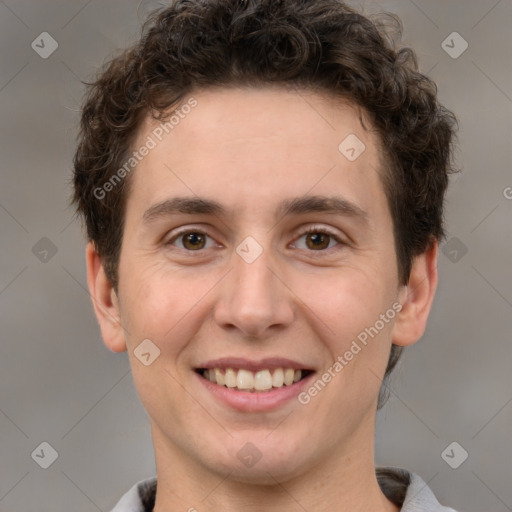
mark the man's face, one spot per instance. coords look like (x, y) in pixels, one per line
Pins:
(248, 288)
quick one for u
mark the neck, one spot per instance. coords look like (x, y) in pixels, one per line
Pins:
(345, 481)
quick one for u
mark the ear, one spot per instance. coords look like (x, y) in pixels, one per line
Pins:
(105, 302)
(416, 298)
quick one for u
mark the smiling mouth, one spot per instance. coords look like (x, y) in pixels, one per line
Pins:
(261, 381)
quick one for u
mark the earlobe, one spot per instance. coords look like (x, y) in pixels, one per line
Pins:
(105, 302)
(416, 298)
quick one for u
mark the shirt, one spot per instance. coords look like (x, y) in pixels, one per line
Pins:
(407, 490)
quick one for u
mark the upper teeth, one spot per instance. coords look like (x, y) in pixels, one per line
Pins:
(261, 380)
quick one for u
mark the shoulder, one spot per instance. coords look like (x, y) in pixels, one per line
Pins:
(405, 489)
(408, 490)
(140, 498)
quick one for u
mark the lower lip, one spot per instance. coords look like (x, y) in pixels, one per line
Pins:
(258, 401)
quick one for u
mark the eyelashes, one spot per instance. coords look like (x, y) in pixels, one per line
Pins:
(321, 231)
(196, 241)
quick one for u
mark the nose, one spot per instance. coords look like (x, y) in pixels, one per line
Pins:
(254, 298)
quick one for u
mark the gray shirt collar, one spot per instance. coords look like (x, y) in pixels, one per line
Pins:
(405, 489)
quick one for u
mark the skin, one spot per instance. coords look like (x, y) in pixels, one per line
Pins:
(249, 149)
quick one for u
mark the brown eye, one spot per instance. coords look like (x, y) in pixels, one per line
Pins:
(319, 239)
(192, 241)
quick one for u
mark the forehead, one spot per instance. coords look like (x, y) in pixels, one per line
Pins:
(273, 110)
(253, 146)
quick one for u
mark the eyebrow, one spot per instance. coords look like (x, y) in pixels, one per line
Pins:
(295, 206)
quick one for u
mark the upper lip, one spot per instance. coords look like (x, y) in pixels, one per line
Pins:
(267, 363)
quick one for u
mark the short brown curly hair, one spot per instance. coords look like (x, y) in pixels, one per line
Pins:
(321, 45)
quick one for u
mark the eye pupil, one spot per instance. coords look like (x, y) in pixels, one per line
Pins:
(193, 238)
(317, 239)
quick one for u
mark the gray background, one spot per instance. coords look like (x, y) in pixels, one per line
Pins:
(58, 382)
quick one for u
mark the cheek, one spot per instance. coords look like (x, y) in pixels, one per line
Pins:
(348, 306)
(155, 299)
(165, 304)
(345, 301)
(160, 304)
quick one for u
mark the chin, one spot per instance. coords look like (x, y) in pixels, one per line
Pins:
(260, 463)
